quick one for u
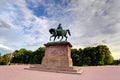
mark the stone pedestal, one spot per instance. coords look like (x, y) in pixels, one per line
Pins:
(57, 59)
(57, 55)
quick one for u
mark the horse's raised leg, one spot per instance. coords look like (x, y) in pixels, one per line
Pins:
(54, 38)
(51, 37)
(66, 38)
(61, 38)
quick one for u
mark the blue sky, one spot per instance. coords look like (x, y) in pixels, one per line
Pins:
(25, 23)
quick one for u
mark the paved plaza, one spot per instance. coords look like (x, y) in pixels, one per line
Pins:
(17, 72)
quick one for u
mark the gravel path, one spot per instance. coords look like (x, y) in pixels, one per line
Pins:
(17, 72)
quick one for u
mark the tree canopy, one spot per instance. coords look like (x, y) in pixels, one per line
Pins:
(99, 55)
(28, 56)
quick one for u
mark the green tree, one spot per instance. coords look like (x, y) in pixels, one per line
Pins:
(26, 57)
(18, 55)
(104, 55)
(6, 58)
(15, 56)
(75, 56)
(22, 56)
(99, 55)
(0, 59)
(86, 60)
(116, 62)
(38, 55)
(80, 57)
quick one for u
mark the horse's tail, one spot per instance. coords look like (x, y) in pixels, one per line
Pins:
(68, 31)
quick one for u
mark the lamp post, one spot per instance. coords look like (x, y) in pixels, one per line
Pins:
(11, 56)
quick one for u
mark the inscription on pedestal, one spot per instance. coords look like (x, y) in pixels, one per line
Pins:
(56, 51)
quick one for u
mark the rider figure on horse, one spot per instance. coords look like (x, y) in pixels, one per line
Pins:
(59, 27)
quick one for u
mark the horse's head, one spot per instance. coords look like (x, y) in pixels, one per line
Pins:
(52, 31)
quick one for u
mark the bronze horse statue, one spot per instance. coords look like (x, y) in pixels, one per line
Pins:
(59, 32)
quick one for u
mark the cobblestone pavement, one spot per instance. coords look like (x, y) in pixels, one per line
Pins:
(17, 72)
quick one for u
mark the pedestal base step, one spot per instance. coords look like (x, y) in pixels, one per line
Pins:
(70, 70)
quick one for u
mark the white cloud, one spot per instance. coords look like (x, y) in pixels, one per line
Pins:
(5, 47)
(4, 24)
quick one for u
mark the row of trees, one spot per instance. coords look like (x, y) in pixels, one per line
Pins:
(28, 56)
(23, 56)
(99, 55)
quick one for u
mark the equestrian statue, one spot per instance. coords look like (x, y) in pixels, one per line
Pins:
(59, 32)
